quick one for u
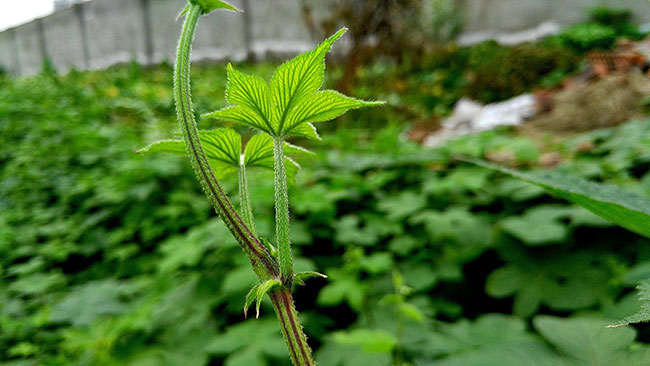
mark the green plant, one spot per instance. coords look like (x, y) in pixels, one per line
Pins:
(113, 258)
(619, 19)
(626, 209)
(496, 72)
(285, 108)
(588, 36)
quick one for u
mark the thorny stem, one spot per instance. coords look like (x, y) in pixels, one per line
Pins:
(264, 265)
(245, 199)
(282, 213)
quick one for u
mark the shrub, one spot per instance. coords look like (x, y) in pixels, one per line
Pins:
(496, 72)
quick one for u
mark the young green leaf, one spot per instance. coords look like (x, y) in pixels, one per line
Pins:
(272, 249)
(262, 290)
(242, 115)
(208, 6)
(222, 146)
(250, 298)
(259, 151)
(623, 208)
(299, 78)
(292, 101)
(322, 106)
(300, 277)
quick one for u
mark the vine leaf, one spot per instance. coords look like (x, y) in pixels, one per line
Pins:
(621, 207)
(223, 148)
(257, 293)
(300, 277)
(292, 102)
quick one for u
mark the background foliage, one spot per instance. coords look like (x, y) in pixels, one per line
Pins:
(112, 258)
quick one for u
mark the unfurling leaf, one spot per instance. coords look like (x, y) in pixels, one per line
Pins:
(250, 298)
(300, 277)
(291, 102)
(257, 294)
(270, 247)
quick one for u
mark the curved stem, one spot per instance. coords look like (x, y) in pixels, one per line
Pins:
(245, 199)
(263, 263)
(285, 256)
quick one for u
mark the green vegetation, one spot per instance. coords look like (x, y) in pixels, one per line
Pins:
(606, 26)
(113, 258)
(286, 107)
(109, 257)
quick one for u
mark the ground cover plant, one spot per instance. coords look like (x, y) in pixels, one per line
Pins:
(115, 258)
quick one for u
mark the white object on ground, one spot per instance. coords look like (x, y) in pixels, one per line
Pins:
(511, 38)
(472, 117)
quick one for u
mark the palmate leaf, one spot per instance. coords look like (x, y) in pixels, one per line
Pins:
(223, 148)
(621, 207)
(299, 77)
(292, 101)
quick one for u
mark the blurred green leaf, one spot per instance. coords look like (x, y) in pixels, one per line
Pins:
(587, 339)
(612, 203)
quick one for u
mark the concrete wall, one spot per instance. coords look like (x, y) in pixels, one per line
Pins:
(8, 54)
(65, 41)
(109, 44)
(101, 33)
(30, 52)
(515, 15)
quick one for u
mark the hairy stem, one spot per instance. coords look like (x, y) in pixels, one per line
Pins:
(263, 263)
(285, 256)
(291, 329)
(245, 199)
